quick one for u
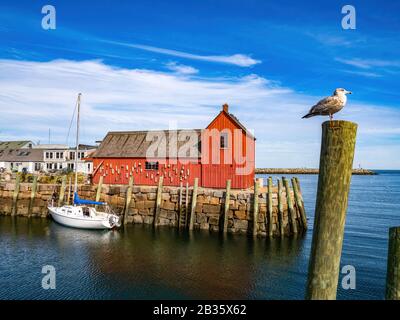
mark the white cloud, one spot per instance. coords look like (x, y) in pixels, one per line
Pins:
(238, 59)
(364, 73)
(369, 63)
(181, 69)
(36, 96)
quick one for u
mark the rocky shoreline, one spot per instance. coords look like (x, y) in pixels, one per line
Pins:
(276, 214)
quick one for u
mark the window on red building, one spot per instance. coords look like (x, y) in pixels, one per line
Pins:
(151, 165)
(224, 140)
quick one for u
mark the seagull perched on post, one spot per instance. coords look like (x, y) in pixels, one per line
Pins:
(329, 105)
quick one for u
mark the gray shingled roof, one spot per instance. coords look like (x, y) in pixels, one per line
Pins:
(134, 144)
(21, 155)
(13, 144)
(241, 126)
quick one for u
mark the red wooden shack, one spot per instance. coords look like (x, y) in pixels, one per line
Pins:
(224, 150)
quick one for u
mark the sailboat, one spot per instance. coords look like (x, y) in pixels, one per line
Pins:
(81, 214)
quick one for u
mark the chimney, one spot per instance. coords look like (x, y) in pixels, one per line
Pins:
(225, 108)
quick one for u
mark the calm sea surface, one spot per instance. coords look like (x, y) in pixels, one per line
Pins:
(139, 263)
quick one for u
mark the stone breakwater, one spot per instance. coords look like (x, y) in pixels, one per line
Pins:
(174, 207)
(360, 172)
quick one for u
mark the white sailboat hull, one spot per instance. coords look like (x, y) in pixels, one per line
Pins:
(70, 216)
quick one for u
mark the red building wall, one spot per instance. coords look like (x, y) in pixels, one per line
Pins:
(118, 171)
(236, 162)
(214, 175)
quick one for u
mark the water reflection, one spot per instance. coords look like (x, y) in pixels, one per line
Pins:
(142, 262)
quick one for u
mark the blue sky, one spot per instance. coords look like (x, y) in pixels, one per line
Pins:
(145, 64)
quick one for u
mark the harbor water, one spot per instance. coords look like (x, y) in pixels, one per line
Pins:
(141, 263)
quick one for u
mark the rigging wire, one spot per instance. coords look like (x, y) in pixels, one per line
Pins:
(72, 119)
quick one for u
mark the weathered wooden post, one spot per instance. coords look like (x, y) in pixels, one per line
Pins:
(62, 191)
(15, 194)
(300, 193)
(226, 204)
(335, 169)
(280, 208)
(393, 265)
(186, 204)
(69, 190)
(128, 199)
(180, 206)
(291, 217)
(299, 203)
(255, 207)
(33, 195)
(194, 200)
(158, 201)
(270, 222)
(99, 186)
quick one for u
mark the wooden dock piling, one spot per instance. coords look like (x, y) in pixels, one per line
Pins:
(180, 206)
(69, 190)
(128, 199)
(158, 201)
(33, 195)
(291, 212)
(186, 204)
(335, 169)
(299, 203)
(99, 186)
(255, 206)
(226, 204)
(393, 265)
(15, 194)
(280, 209)
(270, 215)
(62, 191)
(194, 200)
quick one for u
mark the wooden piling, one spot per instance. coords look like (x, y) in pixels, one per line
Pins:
(128, 199)
(335, 169)
(194, 200)
(180, 205)
(69, 190)
(15, 194)
(280, 208)
(255, 207)
(158, 200)
(99, 186)
(393, 265)
(186, 204)
(299, 203)
(298, 184)
(62, 191)
(300, 193)
(33, 195)
(270, 220)
(226, 204)
(291, 212)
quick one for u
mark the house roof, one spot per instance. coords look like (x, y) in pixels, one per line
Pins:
(136, 144)
(13, 144)
(235, 120)
(51, 146)
(84, 147)
(21, 155)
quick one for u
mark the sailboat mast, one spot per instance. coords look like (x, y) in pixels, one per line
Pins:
(77, 143)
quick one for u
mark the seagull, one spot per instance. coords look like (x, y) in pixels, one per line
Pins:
(329, 105)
